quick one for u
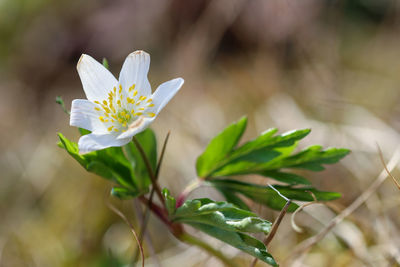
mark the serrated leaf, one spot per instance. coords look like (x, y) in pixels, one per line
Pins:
(265, 149)
(241, 241)
(234, 199)
(222, 215)
(108, 163)
(219, 148)
(289, 178)
(313, 158)
(227, 223)
(268, 197)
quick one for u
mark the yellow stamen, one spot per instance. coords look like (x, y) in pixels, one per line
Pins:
(120, 120)
(116, 129)
(120, 88)
(124, 124)
(151, 114)
(119, 103)
(149, 100)
(96, 108)
(105, 102)
(141, 108)
(101, 118)
(135, 93)
(97, 102)
(127, 116)
(138, 114)
(132, 87)
(142, 97)
(151, 105)
(133, 111)
(110, 128)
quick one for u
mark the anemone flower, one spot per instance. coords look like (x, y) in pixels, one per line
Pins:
(115, 110)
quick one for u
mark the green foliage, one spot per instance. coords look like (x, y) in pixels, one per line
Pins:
(265, 155)
(129, 172)
(227, 223)
(269, 155)
(219, 148)
(267, 196)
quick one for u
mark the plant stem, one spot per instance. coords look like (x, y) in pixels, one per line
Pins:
(149, 169)
(147, 211)
(185, 237)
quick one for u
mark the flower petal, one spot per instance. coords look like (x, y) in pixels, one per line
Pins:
(92, 142)
(165, 92)
(134, 71)
(84, 115)
(97, 81)
(136, 127)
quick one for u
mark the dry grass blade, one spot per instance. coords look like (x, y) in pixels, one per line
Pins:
(386, 168)
(123, 217)
(307, 244)
(295, 227)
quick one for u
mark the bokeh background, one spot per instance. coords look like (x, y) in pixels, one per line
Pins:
(330, 65)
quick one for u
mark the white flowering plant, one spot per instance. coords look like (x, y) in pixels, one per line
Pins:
(117, 144)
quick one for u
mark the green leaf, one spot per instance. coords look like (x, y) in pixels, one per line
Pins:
(219, 148)
(268, 197)
(234, 199)
(289, 178)
(241, 241)
(123, 193)
(227, 223)
(147, 140)
(312, 158)
(170, 201)
(222, 215)
(108, 163)
(265, 149)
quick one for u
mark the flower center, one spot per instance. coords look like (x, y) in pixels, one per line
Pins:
(123, 107)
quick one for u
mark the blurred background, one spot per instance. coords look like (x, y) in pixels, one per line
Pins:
(333, 66)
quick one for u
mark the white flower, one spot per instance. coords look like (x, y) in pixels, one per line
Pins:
(117, 110)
